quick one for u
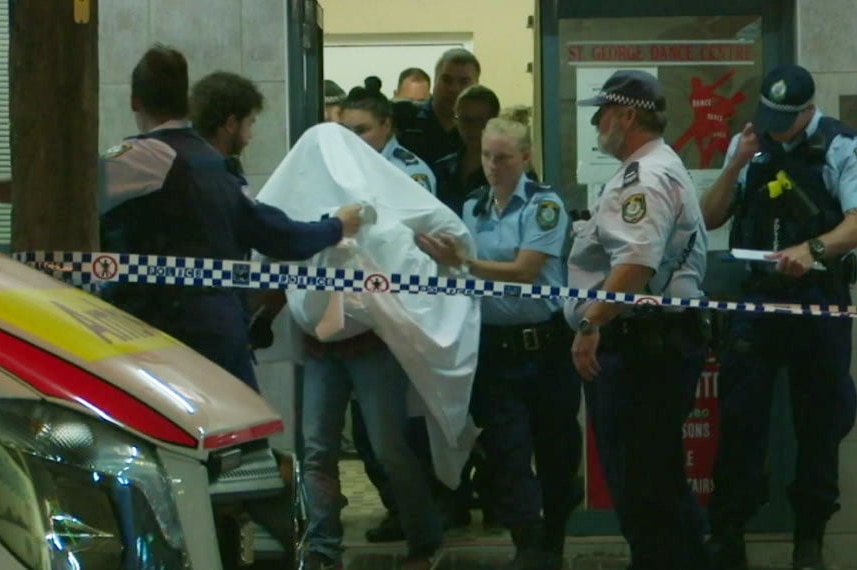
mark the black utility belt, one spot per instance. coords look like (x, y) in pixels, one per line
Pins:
(527, 337)
(640, 327)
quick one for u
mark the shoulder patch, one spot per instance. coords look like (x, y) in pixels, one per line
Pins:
(118, 150)
(634, 208)
(405, 156)
(422, 180)
(547, 214)
(632, 174)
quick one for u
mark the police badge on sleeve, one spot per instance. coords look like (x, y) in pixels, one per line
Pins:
(634, 208)
(547, 214)
(422, 180)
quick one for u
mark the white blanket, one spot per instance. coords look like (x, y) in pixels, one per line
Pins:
(434, 337)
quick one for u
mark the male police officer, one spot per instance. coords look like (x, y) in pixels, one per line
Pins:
(168, 192)
(646, 234)
(790, 185)
(428, 128)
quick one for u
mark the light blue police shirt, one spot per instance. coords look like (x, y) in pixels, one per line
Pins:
(534, 219)
(840, 168)
(410, 164)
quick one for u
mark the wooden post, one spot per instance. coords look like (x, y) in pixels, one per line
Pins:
(53, 68)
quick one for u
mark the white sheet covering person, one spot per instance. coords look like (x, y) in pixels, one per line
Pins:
(434, 337)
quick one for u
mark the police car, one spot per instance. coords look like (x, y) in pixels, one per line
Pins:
(120, 448)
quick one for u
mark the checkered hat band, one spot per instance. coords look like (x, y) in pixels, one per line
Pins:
(619, 99)
(783, 108)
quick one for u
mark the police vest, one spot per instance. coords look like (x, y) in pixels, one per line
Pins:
(771, 217)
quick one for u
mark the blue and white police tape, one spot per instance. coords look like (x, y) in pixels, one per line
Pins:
(88, 269)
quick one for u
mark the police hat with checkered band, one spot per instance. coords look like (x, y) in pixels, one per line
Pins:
(630, 88)
(786, 91)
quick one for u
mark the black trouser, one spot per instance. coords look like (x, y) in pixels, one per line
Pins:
(526, 399)
(816, 352)
(638, 404)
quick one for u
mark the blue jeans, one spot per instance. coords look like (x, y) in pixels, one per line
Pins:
(380, 386)
(638, 404)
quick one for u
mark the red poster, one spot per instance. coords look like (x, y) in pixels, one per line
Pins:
(700, 444)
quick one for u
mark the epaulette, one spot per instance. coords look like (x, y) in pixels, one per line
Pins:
(531, 186)
(632, 174)
(481, 196)
(405, 156)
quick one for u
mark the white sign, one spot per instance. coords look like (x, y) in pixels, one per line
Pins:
(593, 166)
(718, 240)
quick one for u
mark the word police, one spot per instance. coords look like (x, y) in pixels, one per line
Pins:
(177, 272)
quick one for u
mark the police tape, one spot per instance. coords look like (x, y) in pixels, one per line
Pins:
(93, 269)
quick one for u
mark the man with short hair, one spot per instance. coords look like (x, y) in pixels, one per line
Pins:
(789, 183)
(414, 85)
(428, 128)
(224, 107)
(167, 192)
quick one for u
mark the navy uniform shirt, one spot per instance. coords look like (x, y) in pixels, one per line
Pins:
(840, 169)
(419, 130)
(169, 192)
(410, 164)
(534, 219)
(647, 214)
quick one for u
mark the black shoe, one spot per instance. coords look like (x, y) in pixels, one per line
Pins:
(388, 530)
(490, 522)
(807, 555)
(532, 560)
(728, 550)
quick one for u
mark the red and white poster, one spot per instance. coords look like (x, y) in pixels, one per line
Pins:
(700, 444)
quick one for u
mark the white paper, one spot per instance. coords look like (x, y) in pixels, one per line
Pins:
(759, 255)
(718, 240)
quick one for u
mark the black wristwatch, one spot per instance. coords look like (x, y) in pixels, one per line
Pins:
(586, 327)
(816, 249)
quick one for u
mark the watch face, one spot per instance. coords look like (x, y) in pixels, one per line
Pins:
(816, 246)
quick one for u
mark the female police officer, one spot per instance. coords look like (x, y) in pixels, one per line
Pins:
(525, 395)
(368, 113)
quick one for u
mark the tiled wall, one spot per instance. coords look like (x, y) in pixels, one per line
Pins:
(243, 36)
(827, 46)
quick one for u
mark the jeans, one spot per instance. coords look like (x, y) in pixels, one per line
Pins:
(380, 387)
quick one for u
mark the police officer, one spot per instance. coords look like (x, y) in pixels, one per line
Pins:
(525, 395)
(641, 367)
(368, 113)
(333, 97)
(790, 185)
(168, 192)
(460, 173)
(428, 128)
